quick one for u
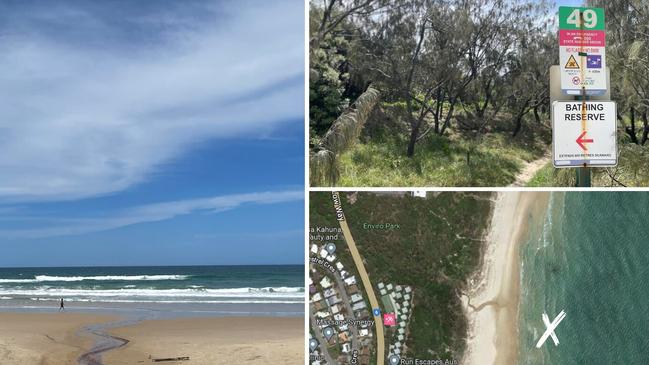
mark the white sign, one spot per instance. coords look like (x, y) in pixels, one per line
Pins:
(582, 50)
(585, 69)
(584, 133)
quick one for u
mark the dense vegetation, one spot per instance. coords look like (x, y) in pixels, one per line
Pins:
(464, 89)
(435, 249)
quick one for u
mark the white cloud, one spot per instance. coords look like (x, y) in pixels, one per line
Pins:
(147, 213)
(79, 122)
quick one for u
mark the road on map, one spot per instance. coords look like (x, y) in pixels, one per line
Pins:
(380, 337)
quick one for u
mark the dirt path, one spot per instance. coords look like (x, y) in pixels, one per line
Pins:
(529, 170)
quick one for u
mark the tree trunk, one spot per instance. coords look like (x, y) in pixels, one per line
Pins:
(536, 114)
(414, 128)
(438, 108)
(519, 125)
(413, 140)
(645, 129)
(631, 130)
(481, 109)
(447, 121)
(487, 100)
(415, 124)
(519, 118)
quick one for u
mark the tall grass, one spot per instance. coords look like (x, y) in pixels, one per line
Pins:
(438, 161)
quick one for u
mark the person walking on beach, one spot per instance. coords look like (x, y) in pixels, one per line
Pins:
(62, 306)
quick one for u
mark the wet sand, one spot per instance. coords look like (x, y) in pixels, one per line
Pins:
(492, 303)
(44, 338)
(58, 339)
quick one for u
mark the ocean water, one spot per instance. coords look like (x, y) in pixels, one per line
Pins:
(588, 256)
(235, 285)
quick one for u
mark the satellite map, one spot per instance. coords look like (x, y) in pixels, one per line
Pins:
(385, 274)
(415, 277)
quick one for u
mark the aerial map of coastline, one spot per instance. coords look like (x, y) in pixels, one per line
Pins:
(478, 278)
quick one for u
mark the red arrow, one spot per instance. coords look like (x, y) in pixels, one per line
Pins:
(581, 141)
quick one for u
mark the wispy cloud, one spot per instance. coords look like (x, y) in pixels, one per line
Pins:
(83, 112)
(61, 226)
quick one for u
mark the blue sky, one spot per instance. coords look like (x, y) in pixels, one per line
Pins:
(569, 3)
(151, 132)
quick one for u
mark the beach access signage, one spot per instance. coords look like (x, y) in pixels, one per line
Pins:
(582, 50)
(584, 133)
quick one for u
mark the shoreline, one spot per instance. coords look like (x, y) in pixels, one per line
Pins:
(153, 310)
(491, 303)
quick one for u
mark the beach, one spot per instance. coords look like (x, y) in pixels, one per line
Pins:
(207, 341)
(130, 315)
(59, 339)
(44, 339)
(492, 301)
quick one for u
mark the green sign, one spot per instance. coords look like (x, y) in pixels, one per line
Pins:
(570, 18)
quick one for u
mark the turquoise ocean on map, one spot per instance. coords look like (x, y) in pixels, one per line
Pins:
(589, 257)
(225, 289)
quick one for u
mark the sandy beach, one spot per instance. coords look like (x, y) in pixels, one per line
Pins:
(44, 339)
(57, 339)
(210, 341)
(492, 302)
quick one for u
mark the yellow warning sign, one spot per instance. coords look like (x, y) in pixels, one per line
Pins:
(572, 63)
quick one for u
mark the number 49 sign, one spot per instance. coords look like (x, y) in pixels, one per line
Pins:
(582, 52)
(570, 18)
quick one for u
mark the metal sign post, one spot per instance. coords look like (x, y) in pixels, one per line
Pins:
(583, 173)
(583, 130)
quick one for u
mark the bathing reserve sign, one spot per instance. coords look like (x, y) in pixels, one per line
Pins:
(584, 133)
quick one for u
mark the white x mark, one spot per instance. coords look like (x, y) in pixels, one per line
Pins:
(549, 332)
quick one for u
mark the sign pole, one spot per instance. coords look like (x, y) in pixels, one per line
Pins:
(583, 116)
(583, 172)
(583, 177)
